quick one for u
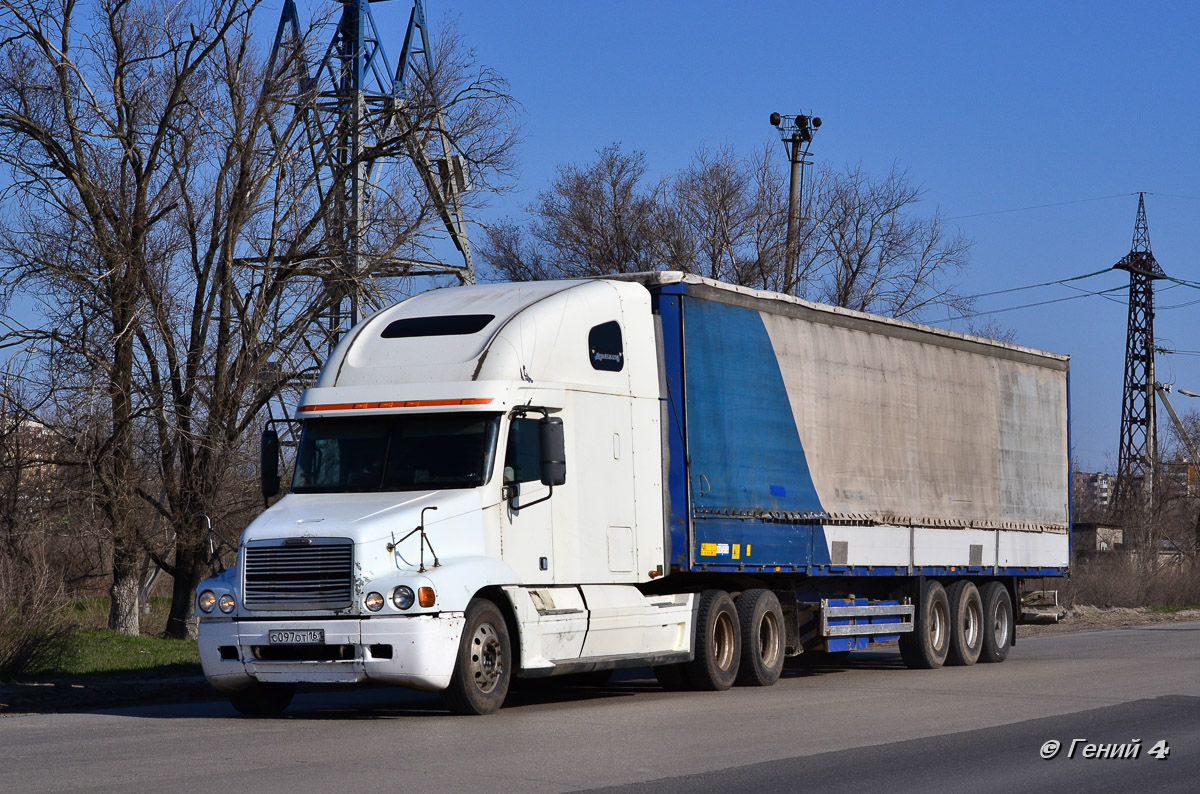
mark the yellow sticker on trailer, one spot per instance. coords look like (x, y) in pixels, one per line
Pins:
(708, 550)
(737, 550)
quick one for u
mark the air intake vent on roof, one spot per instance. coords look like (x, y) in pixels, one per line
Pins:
(448, 325)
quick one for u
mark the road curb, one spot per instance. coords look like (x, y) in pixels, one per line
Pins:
(84, 693)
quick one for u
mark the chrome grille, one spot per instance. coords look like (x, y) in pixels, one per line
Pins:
(317, 574)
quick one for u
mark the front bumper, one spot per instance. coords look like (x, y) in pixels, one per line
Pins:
(413, 651)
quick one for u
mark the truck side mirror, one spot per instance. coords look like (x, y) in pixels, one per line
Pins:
(270, 463)
(552, 447)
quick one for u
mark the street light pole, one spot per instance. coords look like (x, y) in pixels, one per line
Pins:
(796, 132)
(1183, 433)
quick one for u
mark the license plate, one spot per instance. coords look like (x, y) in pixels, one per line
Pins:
(296, 637)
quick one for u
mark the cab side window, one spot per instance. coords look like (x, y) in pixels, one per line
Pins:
(605, 349)
(522, 462)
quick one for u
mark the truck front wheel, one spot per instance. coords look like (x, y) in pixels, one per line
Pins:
(483, 669)
(718, 643)
(761, 620)
(926, 646)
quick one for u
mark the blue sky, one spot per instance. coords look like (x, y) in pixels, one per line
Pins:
(990, 106)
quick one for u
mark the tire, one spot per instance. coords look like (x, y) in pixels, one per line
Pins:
(966, 620)
(718, 643)
(760, 620)
(263, 699)
(673, 677)
(483, 669)
(997, 623)
(925, 647)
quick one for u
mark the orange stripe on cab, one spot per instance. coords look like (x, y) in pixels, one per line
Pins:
(394, 404)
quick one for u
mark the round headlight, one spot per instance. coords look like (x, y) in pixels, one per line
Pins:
(206, 601)
(403, 597)
(226, 603)
(373, 602)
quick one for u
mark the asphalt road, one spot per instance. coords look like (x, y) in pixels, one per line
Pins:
(869, 724)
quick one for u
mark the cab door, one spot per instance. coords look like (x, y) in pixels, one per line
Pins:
(526, 524)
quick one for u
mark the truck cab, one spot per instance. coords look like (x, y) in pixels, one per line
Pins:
(468, 451)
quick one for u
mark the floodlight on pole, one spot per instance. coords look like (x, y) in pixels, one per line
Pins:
(796, 132)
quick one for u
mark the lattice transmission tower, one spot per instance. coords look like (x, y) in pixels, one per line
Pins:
(1139, 434)
(353, 119)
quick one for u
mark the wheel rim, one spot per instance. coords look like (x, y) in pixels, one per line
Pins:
(937, 624)
(723, 644)
(768, 640)
(487, 658)
(1000, 627)
(972, 624)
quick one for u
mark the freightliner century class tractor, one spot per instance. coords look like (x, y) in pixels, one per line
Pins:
(530, 480)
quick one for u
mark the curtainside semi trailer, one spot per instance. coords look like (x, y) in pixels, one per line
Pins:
(531, 480)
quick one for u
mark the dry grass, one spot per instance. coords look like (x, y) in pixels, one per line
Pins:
(1118, 580)
(35, 625)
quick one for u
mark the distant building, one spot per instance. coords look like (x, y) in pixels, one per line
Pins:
(27, 449)
(1181, 476)
(1094, 538)
(1094, 490)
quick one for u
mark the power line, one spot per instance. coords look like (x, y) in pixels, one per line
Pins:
(1175, 195)
(1035, 286)
(1038, 303)
(1087, 292)
(1066, 203)
(1179, 305)
(1043, 206)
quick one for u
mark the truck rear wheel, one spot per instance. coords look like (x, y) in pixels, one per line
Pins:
(966, 620)
(997, 622)
(718, 643)
(263, 698)
(761, 624)
(925, 647)
(483, 669)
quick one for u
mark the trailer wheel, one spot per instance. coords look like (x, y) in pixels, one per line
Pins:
(718, 643)
(262, 698)
(483, 669)
(997, 622)
(966, 620)
(925, 647)
(761, 624)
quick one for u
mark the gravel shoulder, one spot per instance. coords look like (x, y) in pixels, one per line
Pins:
(1086, 618)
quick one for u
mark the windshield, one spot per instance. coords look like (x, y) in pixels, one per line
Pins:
(405, 452)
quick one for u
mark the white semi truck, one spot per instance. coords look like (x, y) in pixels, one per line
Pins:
(528, 480)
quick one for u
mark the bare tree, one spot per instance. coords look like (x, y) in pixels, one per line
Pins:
(190, 294)
(593, 219)
(87, 109)
(724, 217)
(875, 256)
